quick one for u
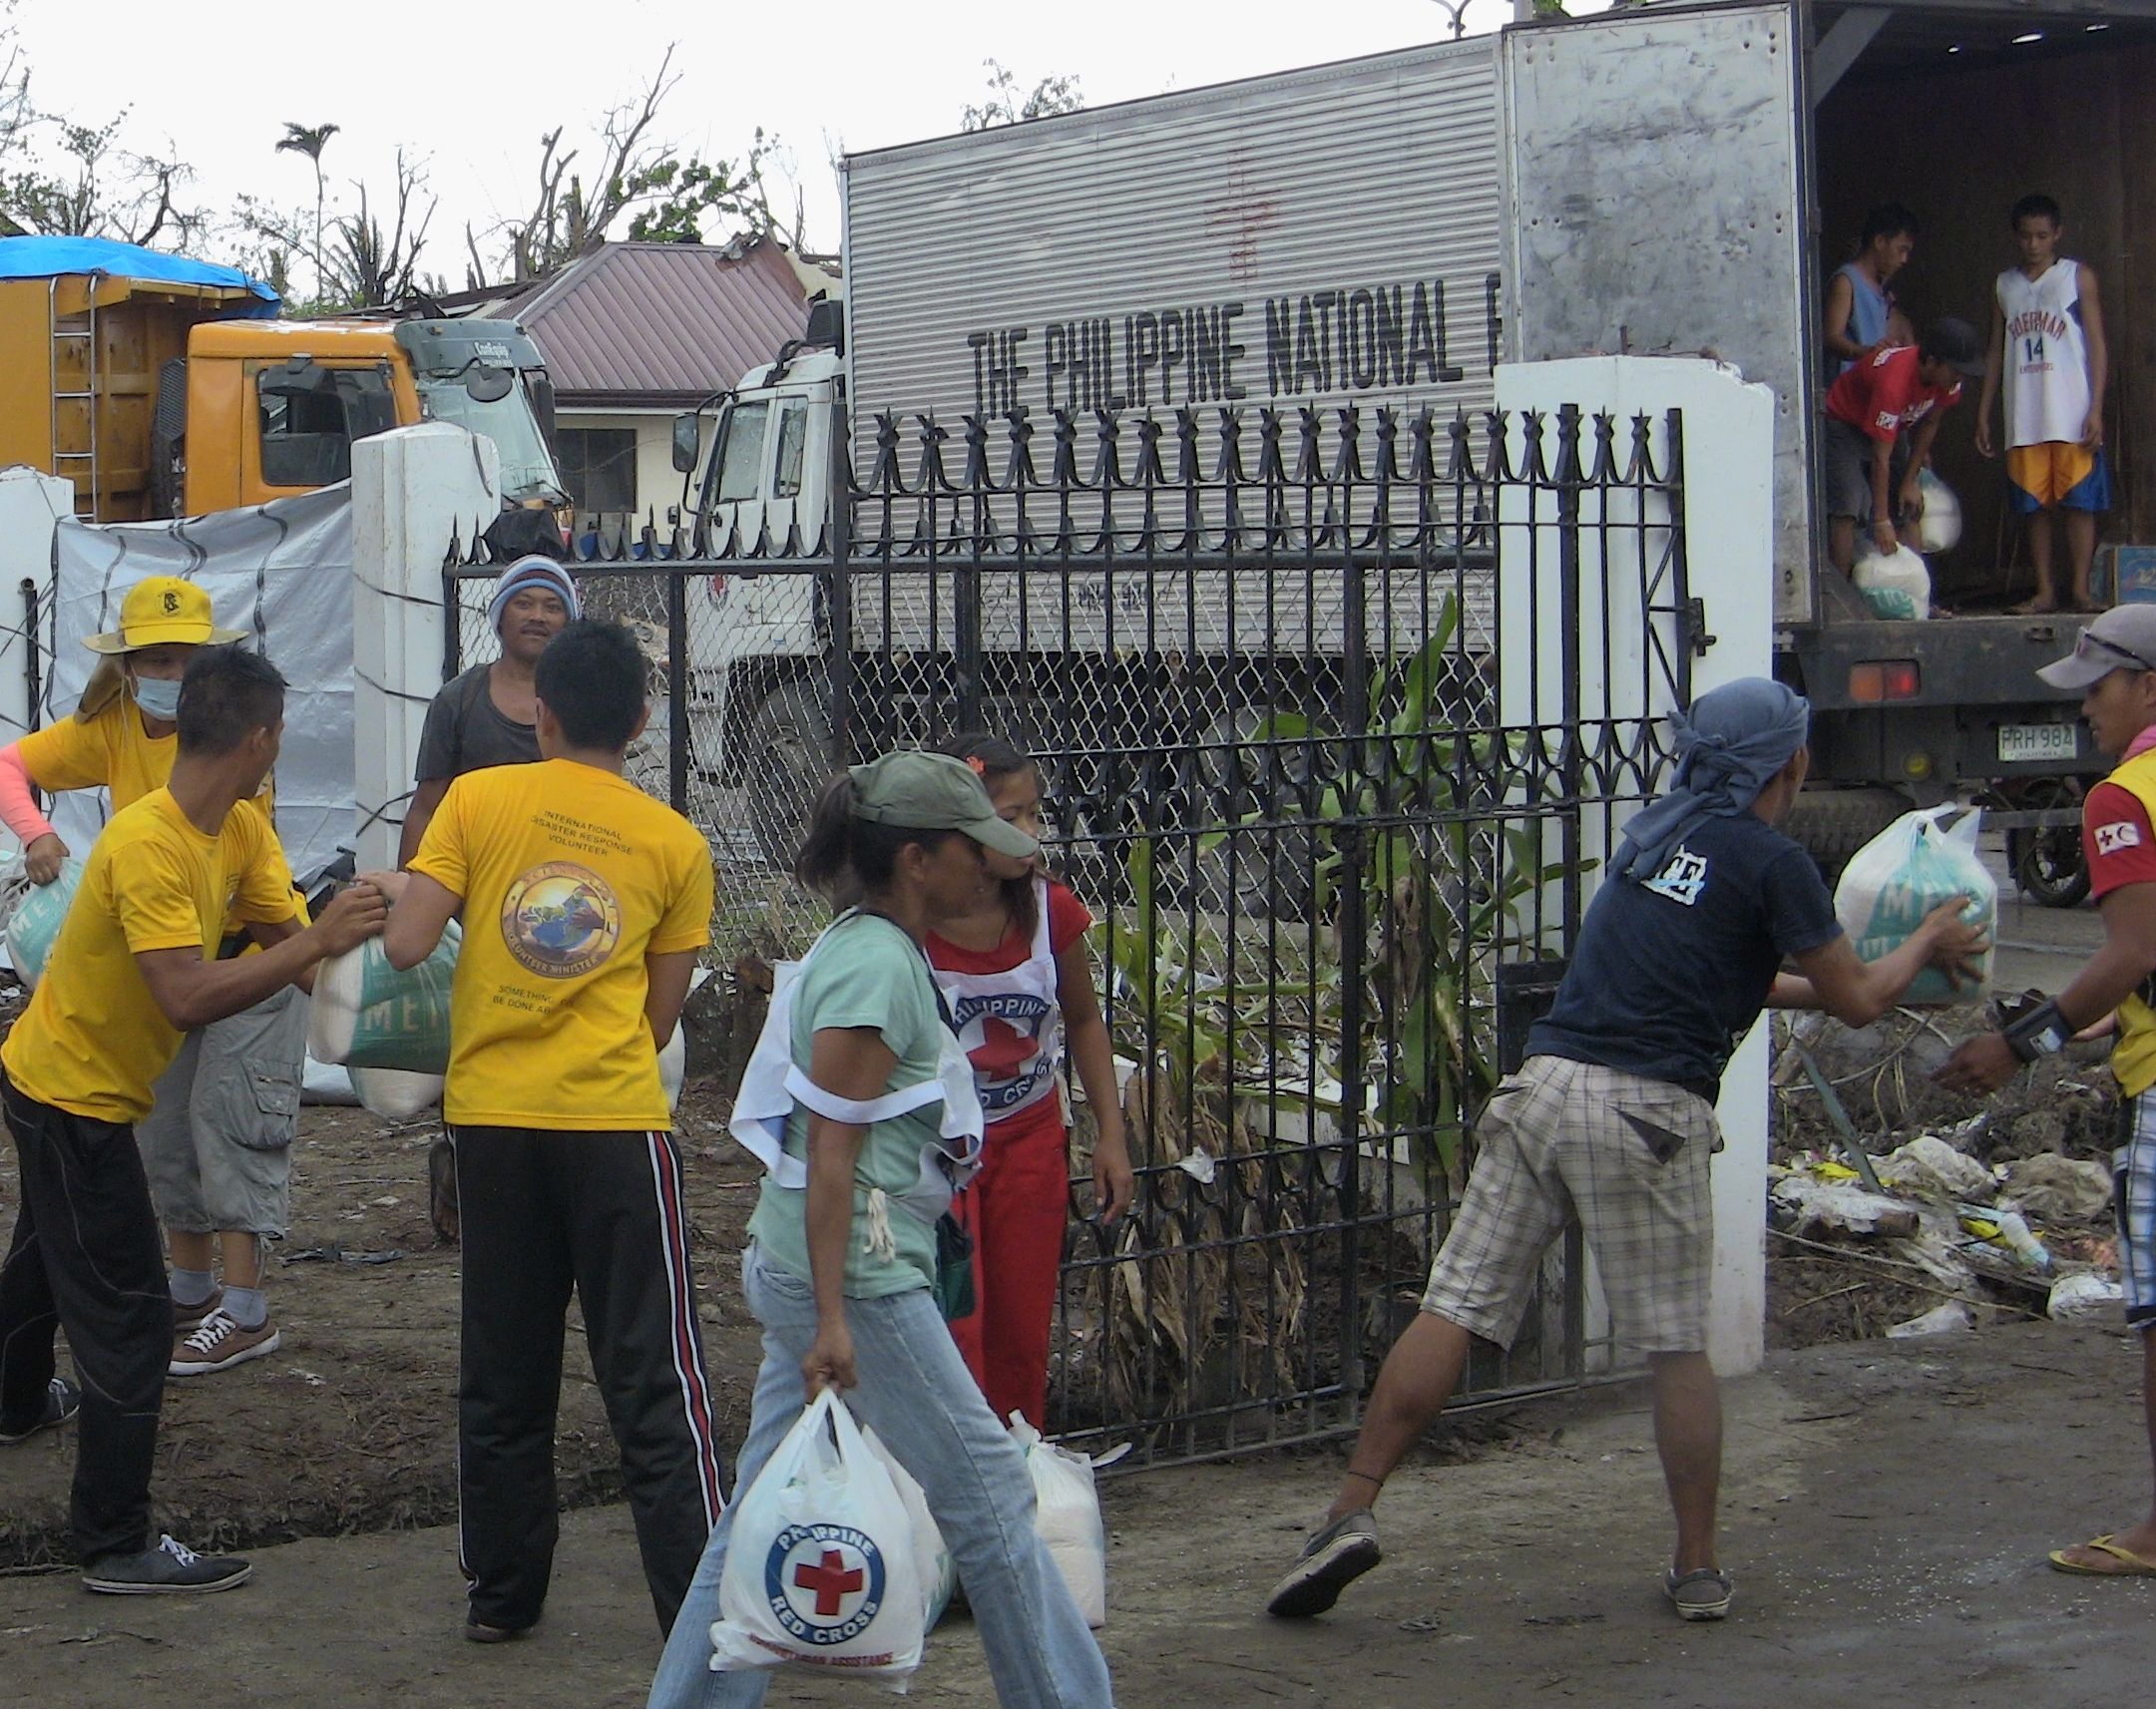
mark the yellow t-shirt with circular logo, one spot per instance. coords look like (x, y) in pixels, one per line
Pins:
(569, 877)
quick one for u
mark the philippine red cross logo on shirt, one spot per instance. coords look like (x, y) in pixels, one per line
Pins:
(2110, 839)
(1001, 1035)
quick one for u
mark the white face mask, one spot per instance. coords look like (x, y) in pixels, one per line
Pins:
(158, 696)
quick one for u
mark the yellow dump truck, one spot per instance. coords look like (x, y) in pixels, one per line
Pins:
(165, 387)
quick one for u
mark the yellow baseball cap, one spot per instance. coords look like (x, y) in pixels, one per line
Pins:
(163, 611)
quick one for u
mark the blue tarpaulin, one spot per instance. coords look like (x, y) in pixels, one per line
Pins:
(47, 258)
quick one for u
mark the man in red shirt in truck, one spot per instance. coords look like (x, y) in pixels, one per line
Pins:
(1896, 393)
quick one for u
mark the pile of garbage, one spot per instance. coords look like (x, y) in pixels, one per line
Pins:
(2027, 1235)
(1956, 1214)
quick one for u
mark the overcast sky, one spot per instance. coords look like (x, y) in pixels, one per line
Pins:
(471, 88)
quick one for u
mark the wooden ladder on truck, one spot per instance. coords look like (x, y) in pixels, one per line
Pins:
(73, 356)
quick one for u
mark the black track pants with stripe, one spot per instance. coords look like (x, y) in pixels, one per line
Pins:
(543, 1212)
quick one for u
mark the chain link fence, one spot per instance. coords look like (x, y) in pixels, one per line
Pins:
(1330, 717)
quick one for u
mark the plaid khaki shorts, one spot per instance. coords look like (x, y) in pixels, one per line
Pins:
(1629, 1158)
(2133, 1182)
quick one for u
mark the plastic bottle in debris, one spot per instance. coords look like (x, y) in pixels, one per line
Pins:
(2015, 1235)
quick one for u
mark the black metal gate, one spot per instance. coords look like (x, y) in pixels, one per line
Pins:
(1332, 715)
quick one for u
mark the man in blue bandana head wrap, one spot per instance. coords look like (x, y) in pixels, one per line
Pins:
(1611, 1117)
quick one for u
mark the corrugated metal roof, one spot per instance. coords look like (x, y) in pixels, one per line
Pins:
(662, 326)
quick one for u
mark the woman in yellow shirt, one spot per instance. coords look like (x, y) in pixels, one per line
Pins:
(218, 1145)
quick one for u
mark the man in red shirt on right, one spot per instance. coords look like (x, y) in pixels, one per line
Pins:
(1896, 393)
(2113, 663)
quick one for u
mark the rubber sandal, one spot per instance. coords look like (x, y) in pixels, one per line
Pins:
(2135, 1565)
(1704, 1593)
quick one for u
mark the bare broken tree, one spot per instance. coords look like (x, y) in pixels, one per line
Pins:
(96, 188)
(64, 176)
(363, 264)
(568, 219)
(376, 269)
(1004, 105)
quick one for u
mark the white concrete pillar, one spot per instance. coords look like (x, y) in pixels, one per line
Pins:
(414, 492)
(1728, 428)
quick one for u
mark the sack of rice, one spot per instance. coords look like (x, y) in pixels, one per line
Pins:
(367, 1015)
(35, 921)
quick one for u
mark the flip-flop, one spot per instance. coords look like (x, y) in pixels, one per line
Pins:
(2135, 1567)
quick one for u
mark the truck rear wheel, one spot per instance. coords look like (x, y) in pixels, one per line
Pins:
(2047, 860)
(786, 761)
(1832, 823)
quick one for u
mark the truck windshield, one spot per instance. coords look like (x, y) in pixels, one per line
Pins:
(739, 462)
(527, 466)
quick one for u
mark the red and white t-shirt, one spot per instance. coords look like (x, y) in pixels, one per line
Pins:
(1003, 1003)
(2116, 836)
(1883, 398)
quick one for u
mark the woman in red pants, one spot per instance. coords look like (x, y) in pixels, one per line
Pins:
(1014, 975)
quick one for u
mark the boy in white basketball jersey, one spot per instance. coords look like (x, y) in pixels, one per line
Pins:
(2047, 337)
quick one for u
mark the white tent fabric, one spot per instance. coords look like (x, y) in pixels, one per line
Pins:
(283, 572)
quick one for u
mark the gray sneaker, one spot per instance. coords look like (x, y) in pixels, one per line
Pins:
(170, 1569)
(62, 1402)
(1343, 1551)
(1701, 1594)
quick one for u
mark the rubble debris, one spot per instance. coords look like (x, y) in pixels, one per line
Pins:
(2050, 1188)
(1942, 1318)
(1804, 1206)
(1928, 1167)
(2085, 1297)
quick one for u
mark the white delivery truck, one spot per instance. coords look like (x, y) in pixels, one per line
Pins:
(1385, 230)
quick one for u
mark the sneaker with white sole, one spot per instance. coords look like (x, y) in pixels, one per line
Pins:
(1343, 1551)
(1704, 1593)
(62, 1402)
(187, 1318)
(170, 1569)
(217, 1343)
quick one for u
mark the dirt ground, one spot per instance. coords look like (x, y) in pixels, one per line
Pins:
(352, 1425)
(1888, 1505)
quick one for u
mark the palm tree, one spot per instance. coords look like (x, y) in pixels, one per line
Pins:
(310, 140)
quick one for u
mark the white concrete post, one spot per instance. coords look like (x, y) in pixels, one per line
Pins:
(414, 490)
(1728, 428)
(31, 506)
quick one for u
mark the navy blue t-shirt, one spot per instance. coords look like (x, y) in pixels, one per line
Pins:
(1671, 974)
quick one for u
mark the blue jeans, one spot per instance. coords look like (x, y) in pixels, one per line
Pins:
(917, 1397)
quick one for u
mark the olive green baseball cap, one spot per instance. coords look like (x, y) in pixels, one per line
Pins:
(934, 792)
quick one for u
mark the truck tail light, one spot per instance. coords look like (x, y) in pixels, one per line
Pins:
(1882, 679)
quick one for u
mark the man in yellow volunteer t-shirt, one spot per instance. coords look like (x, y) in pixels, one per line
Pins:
(585, 903)
(217, 1143)
(135, 965)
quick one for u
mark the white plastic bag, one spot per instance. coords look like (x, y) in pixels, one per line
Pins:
(938, 1573)
(1904, 872)
(35, 919)
(1068, 1518)
(1894, 585)
(822, 1566)
(673, 1065)
(1939, 528)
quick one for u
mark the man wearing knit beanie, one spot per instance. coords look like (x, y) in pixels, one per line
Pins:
(487, 716)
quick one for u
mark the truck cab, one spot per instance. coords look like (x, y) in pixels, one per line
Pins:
(162, 386)
(271, 407)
